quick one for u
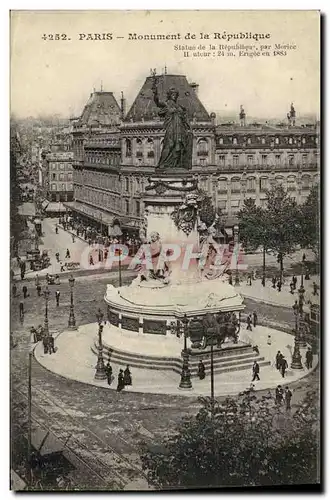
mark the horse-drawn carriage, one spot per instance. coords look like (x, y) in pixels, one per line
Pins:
(38, 260)
(213, 330)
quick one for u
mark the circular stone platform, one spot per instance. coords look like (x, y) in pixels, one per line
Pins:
(75, 360)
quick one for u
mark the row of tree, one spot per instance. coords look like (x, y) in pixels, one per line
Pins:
(248, 441)
(282, 225)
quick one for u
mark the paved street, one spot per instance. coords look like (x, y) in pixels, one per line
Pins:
(104, 427)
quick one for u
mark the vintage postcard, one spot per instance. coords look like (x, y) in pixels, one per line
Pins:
(165, 255)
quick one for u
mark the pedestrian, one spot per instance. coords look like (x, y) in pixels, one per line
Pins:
(315, 288)
(255, 319)
(269, 339)
(303, 257)
(51, 347)
(294, 281)
(37, 280)
(279, 285)
(56, 229)
(278, 359)
(287, 397)
(39, 290)
(127, 376)
(250, 279)
(21, 309)
(57, 255)
(121, 384)
(73, 238)
(25, 291)
(22, 273)
(201, 370)
(249, 323)
(91, 261)
(62, 269)
(274, 281)
(255, 371)
(108, 371)
(45, 343)
(67, 255)
(57, 296)
(57, 280)
(279, 395)
(14, 288)
(100, 255)
(307, 275)
(230, 279)
(283, 367)
(292, 288)
(309, 358)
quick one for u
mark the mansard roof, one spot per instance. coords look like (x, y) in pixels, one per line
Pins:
(144, 108)
(101, 109)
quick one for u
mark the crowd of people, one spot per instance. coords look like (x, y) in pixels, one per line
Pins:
(124, 377)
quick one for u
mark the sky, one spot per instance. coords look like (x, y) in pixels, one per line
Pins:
(57, 76)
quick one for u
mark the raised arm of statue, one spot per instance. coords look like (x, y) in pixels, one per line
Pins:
(159, 104)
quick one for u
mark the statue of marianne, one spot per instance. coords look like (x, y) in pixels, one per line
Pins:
(178, 140)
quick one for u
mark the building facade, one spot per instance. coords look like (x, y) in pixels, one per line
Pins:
(115, 153)
(59, 176)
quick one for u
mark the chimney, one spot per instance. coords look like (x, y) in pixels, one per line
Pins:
(195, 87)
(122, 105)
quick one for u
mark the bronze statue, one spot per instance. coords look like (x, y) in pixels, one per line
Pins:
(178, 140)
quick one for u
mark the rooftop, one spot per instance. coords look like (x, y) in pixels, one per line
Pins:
(101, 109)
(144, 108)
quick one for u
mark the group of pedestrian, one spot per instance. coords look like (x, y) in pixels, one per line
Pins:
(124, 378)
(283, 395)
(252, 319)
(281, 363)
(293, 284)
(277, 283)
(48, 343)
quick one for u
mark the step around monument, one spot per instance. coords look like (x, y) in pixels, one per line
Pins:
(222, 363)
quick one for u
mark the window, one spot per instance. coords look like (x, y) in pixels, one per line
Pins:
(263, 140)
(222, 160)
(54, 187)
(316, 140)
(137, 207)
(222, 204)
(235, 206)
(61, 166)
(234, 141)
(222, 185)
(263, 159)
(305, 181)
(303, 140)
(221, 140)
(250, 159)
(69, 176)
(304, 159)
(235, 185)
(251, 184)
(291, 183)
(263, 183)
(63, 187)
(202, 147)
(126, 184)
(249, 140)
(128, 147)
(139, 148)
(61, 177)
(202, 162)
(277, 159)
(277, 140)
(290, 140)
(150, 148)
(291, 160)
(54, 177)
(70, 187)
(126, 207)
(235, 160)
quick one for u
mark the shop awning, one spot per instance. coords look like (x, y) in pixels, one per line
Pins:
(229, 231)
(27, 209)
(96, 214)
(44, 204)
(56, 207)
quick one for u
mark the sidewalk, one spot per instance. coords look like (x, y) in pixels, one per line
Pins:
(272, 296)
(75, 360)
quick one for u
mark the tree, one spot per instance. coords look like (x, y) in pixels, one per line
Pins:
(16, 221)
(282, 216)
(309, 221)
(244, 442)
(254, 229)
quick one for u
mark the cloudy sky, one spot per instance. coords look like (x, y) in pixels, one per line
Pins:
(57, 77)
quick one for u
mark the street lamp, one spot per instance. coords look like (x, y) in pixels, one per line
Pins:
(185, 382)
(46, 295)
(296, 357)
(72, 319)
(236, 245)
(100, 373)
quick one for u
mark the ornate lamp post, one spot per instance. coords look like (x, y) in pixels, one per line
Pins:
(46, 295)
(301, 293)
(72, 319)
(296, 357)
(100, 373)
(236, 245)
(185, 382)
